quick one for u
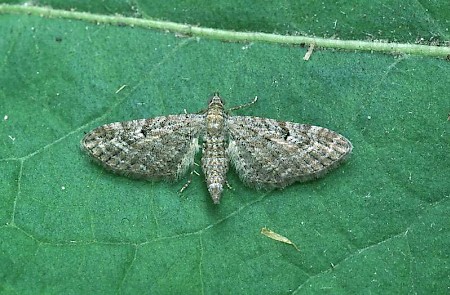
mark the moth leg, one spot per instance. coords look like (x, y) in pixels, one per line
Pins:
(185, 186)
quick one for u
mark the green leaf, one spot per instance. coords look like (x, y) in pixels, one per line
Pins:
(377, 224)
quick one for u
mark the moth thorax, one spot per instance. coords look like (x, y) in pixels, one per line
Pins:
(215, 117)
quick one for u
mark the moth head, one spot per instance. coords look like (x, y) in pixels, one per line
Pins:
(216, 100)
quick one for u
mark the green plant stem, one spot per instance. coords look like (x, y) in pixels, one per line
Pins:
(231, 36)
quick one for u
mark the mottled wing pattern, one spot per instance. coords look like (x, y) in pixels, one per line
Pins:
(272, 154)
(156, 148)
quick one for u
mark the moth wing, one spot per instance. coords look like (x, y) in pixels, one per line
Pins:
(156, 148)
(273, 154)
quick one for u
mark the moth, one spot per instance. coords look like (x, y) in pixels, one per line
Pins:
(266, 153)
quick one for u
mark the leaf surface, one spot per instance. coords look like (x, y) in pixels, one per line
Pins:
(379, 223)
